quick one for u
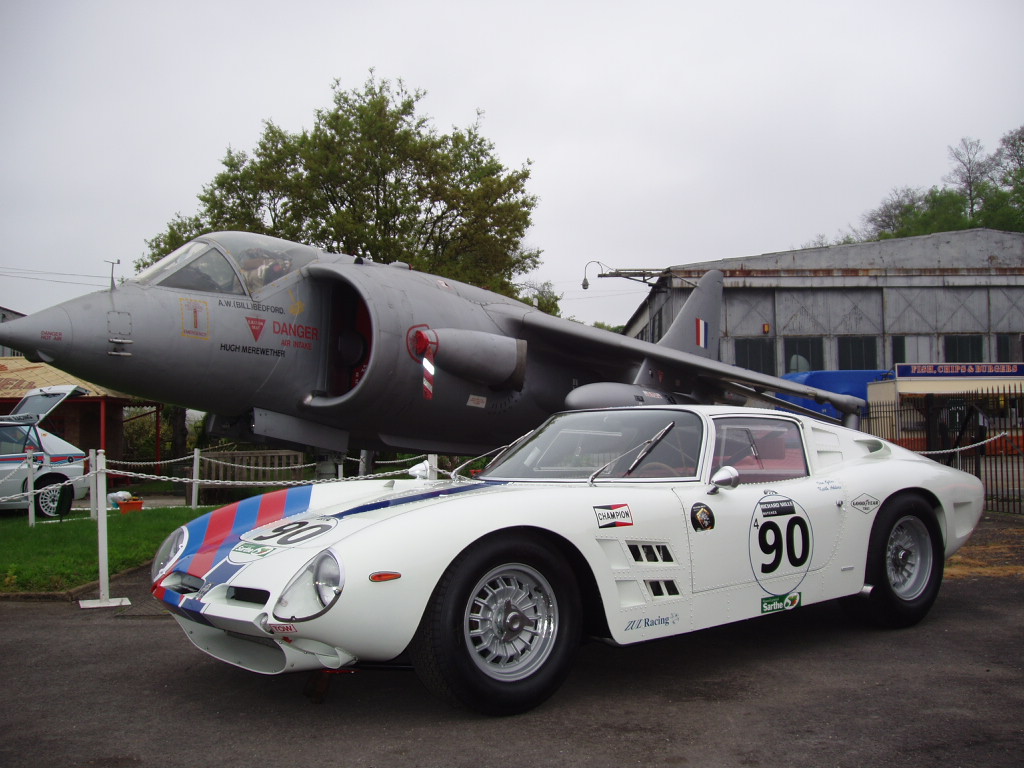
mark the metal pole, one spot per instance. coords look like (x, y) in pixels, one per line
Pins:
(93, 489)
(105, 600)
(30, 486)
(195, 478)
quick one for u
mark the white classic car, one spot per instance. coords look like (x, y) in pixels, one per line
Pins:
(56, 461)
(624, 524)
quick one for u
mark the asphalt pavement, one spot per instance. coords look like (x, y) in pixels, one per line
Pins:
(123, 687)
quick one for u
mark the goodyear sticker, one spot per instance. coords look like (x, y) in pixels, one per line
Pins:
(866, 503)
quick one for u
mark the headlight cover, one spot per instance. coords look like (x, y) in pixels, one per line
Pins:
(313, 590)
(168, 552)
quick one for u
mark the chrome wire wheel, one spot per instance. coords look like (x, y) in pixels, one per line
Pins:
(908, 557)
(511, 622)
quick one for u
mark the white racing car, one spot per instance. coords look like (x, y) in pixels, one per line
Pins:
(625, 524)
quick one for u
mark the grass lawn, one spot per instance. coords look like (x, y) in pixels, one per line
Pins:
(58, 556)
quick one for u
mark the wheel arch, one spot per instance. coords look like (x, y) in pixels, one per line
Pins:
(932, 500)
(50, 476)
(595, 622)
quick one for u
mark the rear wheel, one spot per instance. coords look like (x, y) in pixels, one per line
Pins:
(52, 499)
(501, 628)
(905, 563)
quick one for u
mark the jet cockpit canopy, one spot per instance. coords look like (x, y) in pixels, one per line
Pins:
(236, 263)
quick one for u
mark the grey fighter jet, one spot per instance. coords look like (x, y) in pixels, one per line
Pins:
(284, 341)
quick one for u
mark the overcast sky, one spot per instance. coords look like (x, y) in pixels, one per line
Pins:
(660, 133)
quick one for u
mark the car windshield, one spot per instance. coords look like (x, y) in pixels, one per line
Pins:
(610, 443)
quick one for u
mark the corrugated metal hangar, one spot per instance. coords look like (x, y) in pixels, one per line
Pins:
(945, 298)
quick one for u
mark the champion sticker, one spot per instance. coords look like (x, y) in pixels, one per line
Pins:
(613, 516)
(865, 503)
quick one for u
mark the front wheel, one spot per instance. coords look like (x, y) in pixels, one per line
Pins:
(905, 563)
(502, 626)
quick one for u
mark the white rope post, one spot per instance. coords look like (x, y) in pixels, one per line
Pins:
(105, 601)
(432, 466)
(30, 486)
(195, 478)
(94, 494)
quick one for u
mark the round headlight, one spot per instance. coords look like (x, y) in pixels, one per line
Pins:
(168, 552)
(327, 578)
(312, 590)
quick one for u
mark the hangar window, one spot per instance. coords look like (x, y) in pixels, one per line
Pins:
(858, 353)
(1008, 347)
(804, 353)
(756, 355)
(963, 349)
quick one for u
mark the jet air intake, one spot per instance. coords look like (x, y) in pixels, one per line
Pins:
(486, 358)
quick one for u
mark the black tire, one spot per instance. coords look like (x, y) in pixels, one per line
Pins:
(906, 558)
(515, 583)
(52, 499)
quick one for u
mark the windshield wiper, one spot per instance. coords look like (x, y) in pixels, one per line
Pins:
(649, 446)
(500, 451)
(645, 448)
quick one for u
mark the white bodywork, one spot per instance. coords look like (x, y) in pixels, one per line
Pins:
(656, 556)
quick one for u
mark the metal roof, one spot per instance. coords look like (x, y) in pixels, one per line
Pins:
(18, 376)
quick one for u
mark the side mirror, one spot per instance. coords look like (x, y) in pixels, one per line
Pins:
(726, 477)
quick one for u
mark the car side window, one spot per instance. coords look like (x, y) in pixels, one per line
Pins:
(12, 440)
(761, 449)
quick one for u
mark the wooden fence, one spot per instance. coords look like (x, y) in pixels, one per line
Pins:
(246, 466)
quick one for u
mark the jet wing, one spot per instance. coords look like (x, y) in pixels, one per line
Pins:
(699, 372)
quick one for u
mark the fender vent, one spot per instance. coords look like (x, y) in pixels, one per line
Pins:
(666, 588)
(248, 595)
(650, 553)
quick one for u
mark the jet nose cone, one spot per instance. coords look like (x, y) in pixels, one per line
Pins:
(41, 337)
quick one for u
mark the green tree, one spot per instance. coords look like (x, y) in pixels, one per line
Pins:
(373, 178)
(986, 191)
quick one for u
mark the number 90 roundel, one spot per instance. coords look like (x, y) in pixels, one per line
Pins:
(781, 543)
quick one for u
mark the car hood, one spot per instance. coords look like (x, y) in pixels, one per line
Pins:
(213, 537)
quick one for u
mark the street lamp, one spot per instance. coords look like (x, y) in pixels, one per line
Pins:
(586, 283)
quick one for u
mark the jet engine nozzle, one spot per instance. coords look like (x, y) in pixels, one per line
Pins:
(487, 358)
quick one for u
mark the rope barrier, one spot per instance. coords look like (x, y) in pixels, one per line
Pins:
(963, 447)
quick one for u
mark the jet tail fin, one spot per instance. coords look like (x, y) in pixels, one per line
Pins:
(696, 329)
